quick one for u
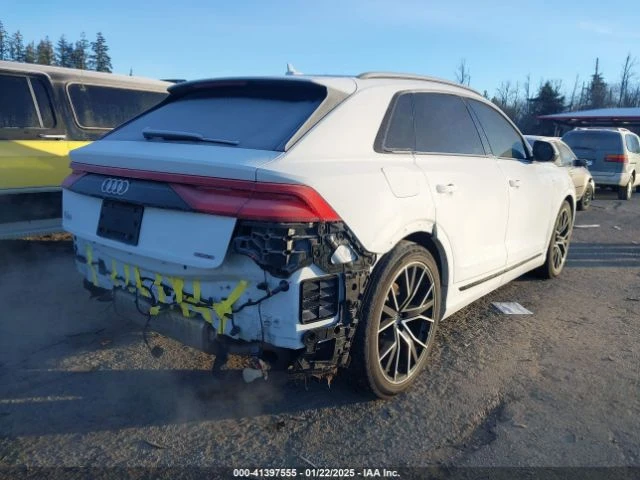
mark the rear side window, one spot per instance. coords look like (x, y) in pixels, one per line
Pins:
(582, 141)
(18, 108)
(444, 125)
(400, 134)
(632, 143)
(255, 115)
(107, 107)
(504, 140)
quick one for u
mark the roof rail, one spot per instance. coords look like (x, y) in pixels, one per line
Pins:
(411, 76)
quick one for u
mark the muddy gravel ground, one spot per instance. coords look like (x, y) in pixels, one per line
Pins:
(560, 387)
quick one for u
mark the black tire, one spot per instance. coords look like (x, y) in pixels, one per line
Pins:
(624, 193)
(587, 197)
(406, 275)
(562, 230)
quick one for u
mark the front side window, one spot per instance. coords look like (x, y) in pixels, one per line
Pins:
(504, 140)
(443, 125)
(105, 108)
(17, 107)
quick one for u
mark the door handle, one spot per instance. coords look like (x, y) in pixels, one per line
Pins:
(514, 183)
(52, 137)
(446, 188)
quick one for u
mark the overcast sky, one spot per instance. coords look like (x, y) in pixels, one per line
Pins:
(499, 40)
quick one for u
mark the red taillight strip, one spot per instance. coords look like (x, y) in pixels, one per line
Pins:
(243, 199)
(616, 158)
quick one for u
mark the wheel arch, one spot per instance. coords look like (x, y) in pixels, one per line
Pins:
(572, 204)
(437, 250)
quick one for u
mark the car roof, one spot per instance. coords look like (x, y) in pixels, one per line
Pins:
(347, 84)
(601, 129)
(74, 75)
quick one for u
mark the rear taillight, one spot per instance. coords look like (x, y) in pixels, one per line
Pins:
(616, 158)
(259, 201)
(243, 199)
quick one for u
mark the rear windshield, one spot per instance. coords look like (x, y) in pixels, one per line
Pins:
(97, 106)
(592, 141)
(261, 116)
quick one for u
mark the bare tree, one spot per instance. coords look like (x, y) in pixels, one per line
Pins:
(625, 77)
(463, 75)
(570, 106)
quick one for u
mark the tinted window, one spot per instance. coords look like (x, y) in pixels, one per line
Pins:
(44, 103)
(17, 109)
(400, 133)
(107, 107)
(632, 144)
(258, 116)
(504, 140)
(444, 125)
(582, 141)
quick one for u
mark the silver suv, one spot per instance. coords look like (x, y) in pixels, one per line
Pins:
(614, 153)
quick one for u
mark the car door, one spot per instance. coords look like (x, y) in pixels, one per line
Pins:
(528, 184)
(567, 159)
(33, 147)
(467, 186)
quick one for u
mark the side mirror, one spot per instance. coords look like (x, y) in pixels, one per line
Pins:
(543, 151)
(579, 162)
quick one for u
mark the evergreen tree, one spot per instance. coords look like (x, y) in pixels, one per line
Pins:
(4, 43)
(44, 52)
(548, 101)
(597, 90)
(64, 53)
(100, 60)
(30, 53)
(80, 56)
(16, 47)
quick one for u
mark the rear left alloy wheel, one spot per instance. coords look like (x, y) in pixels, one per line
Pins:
(399, 318)
(558, 248)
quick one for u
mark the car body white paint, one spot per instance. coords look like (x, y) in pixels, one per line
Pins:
(493, 225)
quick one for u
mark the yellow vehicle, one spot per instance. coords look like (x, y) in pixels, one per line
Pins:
(45, 112)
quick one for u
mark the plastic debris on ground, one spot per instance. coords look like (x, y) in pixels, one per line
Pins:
(258, 369)
(511, 308)
(595, 225)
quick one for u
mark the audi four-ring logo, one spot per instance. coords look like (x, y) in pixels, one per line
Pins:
(115, 186)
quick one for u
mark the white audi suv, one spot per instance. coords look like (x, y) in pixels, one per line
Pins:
(315, 222)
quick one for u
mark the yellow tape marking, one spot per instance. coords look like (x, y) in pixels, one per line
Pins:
(94, 276)
(158, 284)
(114, 272)
(196, 290)
(126, 275)
(154, 310)
(177, 284)
(223, 308)
(143, 291)
(206, 313)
